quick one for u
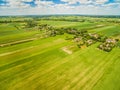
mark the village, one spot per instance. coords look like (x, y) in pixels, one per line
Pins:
(82, 37)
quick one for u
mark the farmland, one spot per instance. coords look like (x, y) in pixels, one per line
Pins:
(31, 61)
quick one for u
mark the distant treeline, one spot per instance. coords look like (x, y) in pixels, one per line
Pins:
(10, 21)
(95, 16)
(70, 18)
(42, 16)
(80, 20)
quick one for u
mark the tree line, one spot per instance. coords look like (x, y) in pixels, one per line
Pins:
(81, 37)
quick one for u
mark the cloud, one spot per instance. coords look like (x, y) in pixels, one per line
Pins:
(77, 1)
(101, 1)
(24, 7)
(26, 0)
(85, 1)
(117, 0)
(43, 3)
(70, 1)
(16, 3)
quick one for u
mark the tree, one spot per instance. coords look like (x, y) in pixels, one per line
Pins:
(31, 23)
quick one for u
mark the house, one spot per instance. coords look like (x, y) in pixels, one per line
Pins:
(110, 41)
(89, 42)
(95, 36)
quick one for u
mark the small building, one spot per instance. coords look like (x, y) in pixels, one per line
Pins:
(111, 40)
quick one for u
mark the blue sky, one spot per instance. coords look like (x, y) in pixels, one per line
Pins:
(45, 7)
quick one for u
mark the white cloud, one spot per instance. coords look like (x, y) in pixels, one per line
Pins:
(117, 0)
(85, 1)
(17, 4)
(26, 0)
(70, 1)
(19, 7)
(43, 3)
(101, 1)
(77, 1)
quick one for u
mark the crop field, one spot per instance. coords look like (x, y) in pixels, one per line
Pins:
(30, 61)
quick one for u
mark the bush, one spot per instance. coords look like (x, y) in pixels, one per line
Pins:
(31, 23)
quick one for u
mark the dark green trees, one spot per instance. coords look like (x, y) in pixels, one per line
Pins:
(30, 23)
(108, 44)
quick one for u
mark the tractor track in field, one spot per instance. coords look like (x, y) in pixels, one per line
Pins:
(17, 42)
(8, 53)
(89, 80)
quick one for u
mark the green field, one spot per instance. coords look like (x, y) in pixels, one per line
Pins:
(55, 63)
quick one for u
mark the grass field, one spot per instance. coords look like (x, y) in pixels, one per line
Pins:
(46, 64)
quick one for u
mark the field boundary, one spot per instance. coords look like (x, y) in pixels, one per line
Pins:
(18, 42)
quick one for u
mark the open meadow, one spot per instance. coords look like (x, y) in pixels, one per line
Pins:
(54, 53)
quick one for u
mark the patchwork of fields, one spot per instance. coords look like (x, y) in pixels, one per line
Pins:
(44, 64)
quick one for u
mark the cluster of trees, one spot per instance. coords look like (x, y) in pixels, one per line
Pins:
(50, 30)
(15, 20)
(85, 38)
(30, 24)
(118, 44)
(108, 44)
(82, 19)
(5, 21)
(62, 19)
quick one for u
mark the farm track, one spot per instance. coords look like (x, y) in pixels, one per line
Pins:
(18, 42)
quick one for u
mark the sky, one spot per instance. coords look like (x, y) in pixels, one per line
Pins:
(48, 7)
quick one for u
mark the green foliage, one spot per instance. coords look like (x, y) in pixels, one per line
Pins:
(118, 44)
(108, 44)
(31, 23)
